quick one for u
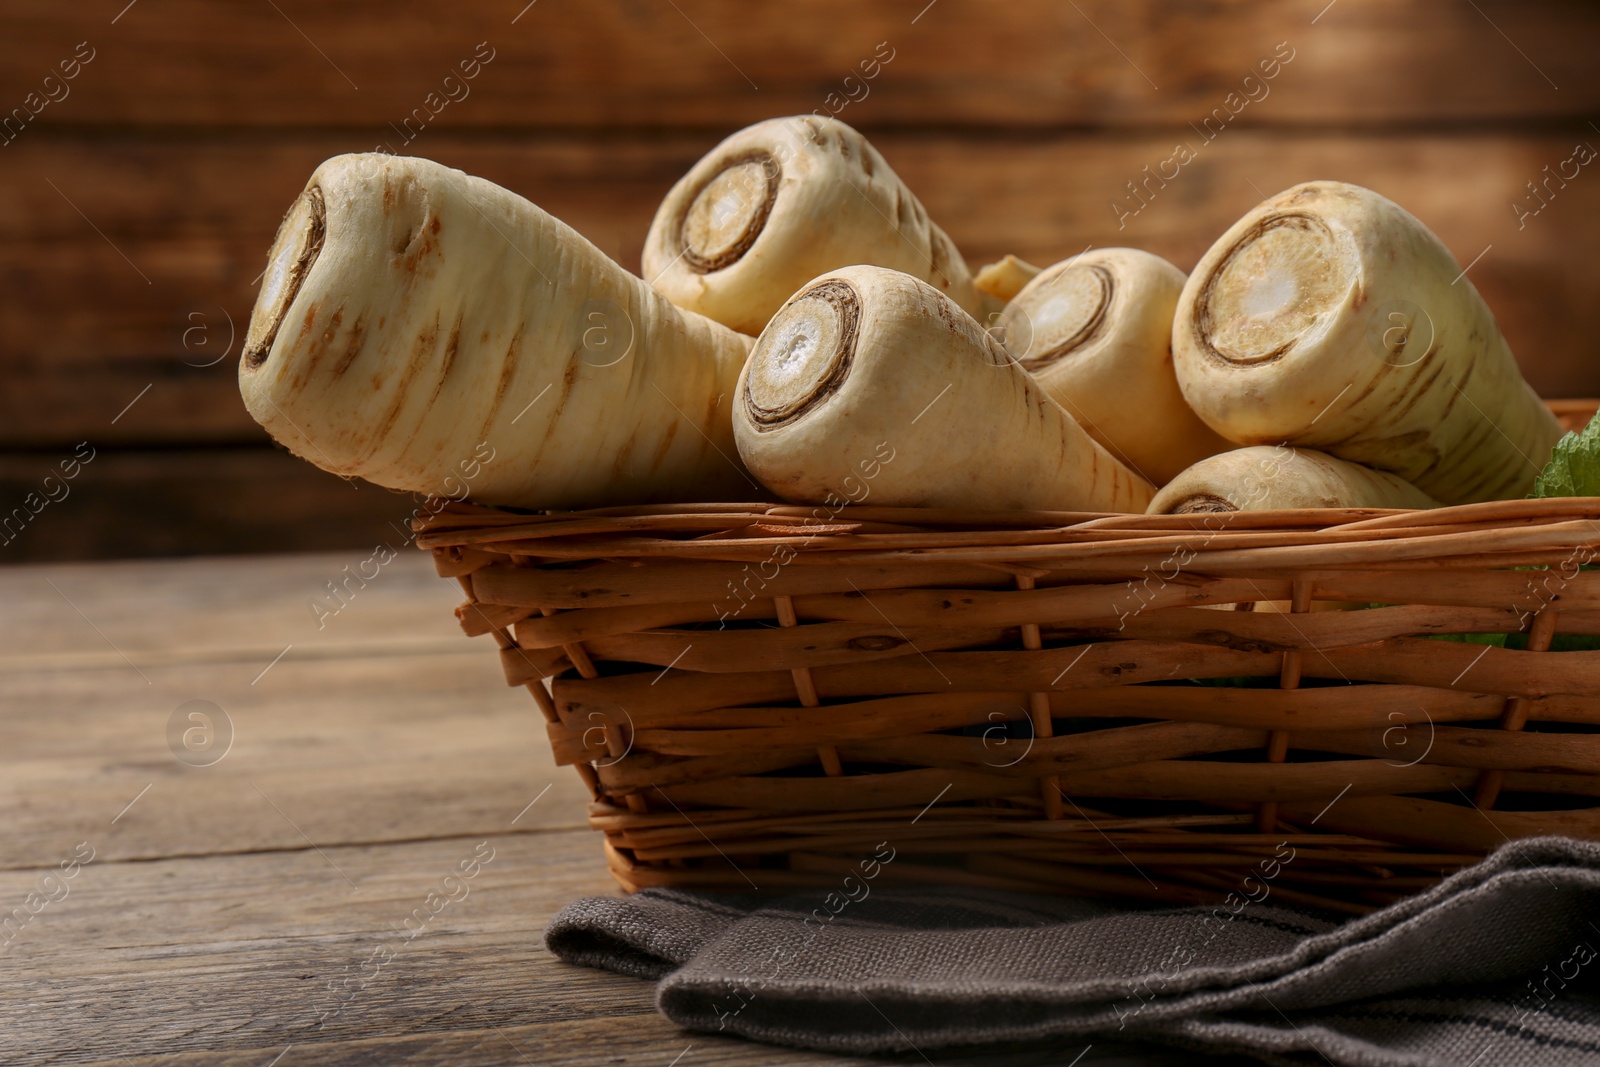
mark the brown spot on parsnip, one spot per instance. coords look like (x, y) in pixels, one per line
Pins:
(426, 341)
(403, 240)
(568, 376)
(508, 367)
(902, 209)
(450, 348)
(1422, 386)
(939, 259)
(1490, 475)
(352, 349)
(1366, 390)
(622, 453)
(1459, 390)
(666, 442)
(316, 348)
(418, 247)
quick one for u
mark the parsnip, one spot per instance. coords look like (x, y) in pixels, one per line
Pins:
(1265, 477)
(1004, 278)
(871, 384)
(781, 202)
(414, 319)
(1096, 331)
(1328, 317)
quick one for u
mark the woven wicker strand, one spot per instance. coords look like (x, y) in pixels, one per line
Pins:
(764, 693)
(1039, 713)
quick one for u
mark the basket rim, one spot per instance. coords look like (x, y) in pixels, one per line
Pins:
(1494, 533)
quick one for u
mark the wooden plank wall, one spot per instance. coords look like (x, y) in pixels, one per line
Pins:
(136, 206)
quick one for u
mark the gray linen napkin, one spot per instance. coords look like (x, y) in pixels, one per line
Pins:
(1495, 967)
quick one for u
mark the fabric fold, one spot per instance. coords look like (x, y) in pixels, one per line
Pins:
(1496, 965)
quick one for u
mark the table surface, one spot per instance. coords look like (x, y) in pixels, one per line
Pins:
(344, 767)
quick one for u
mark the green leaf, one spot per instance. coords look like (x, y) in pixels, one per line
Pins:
(1493, 640)
(1574, 643)
(1238, 682)
(1574, 467)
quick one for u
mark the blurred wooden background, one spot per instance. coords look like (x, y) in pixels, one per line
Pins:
(137, 205)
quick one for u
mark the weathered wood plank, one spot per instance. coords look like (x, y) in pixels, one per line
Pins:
(232, 608)
(711, 63)
(239, 952)
(625, 1038)
(384, 724)
(196, 218)
(605, 1042)
(334, 751)
(226, 960)
(188, 501)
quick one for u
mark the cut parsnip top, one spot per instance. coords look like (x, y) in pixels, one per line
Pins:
(1328, 317)
(871, 385)
(414, 320)
(781, 202)
(1096, 332)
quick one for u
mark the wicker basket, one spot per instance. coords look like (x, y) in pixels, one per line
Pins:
(759, 696)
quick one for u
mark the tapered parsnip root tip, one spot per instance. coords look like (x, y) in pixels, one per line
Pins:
(1005, 278)
(1330, 318)
(720, 223)
(1265, 477)
(294, 250)
(430, 331)
(811, 344)
(1286, 273)
(872, 385)
(1096, 332)
(785, 201)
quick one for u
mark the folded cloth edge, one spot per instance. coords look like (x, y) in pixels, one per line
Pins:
(618, 934)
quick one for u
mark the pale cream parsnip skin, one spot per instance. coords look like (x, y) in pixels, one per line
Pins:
(871, 378)
(414, 319)
(780, 203)
(1328, 317)
(1096, 332)
(1277, 477)
(1005, 277)
(1268, 477)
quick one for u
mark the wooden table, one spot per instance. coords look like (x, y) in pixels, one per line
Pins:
(234, 894)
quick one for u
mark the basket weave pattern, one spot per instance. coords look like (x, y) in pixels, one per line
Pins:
(762, 693)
